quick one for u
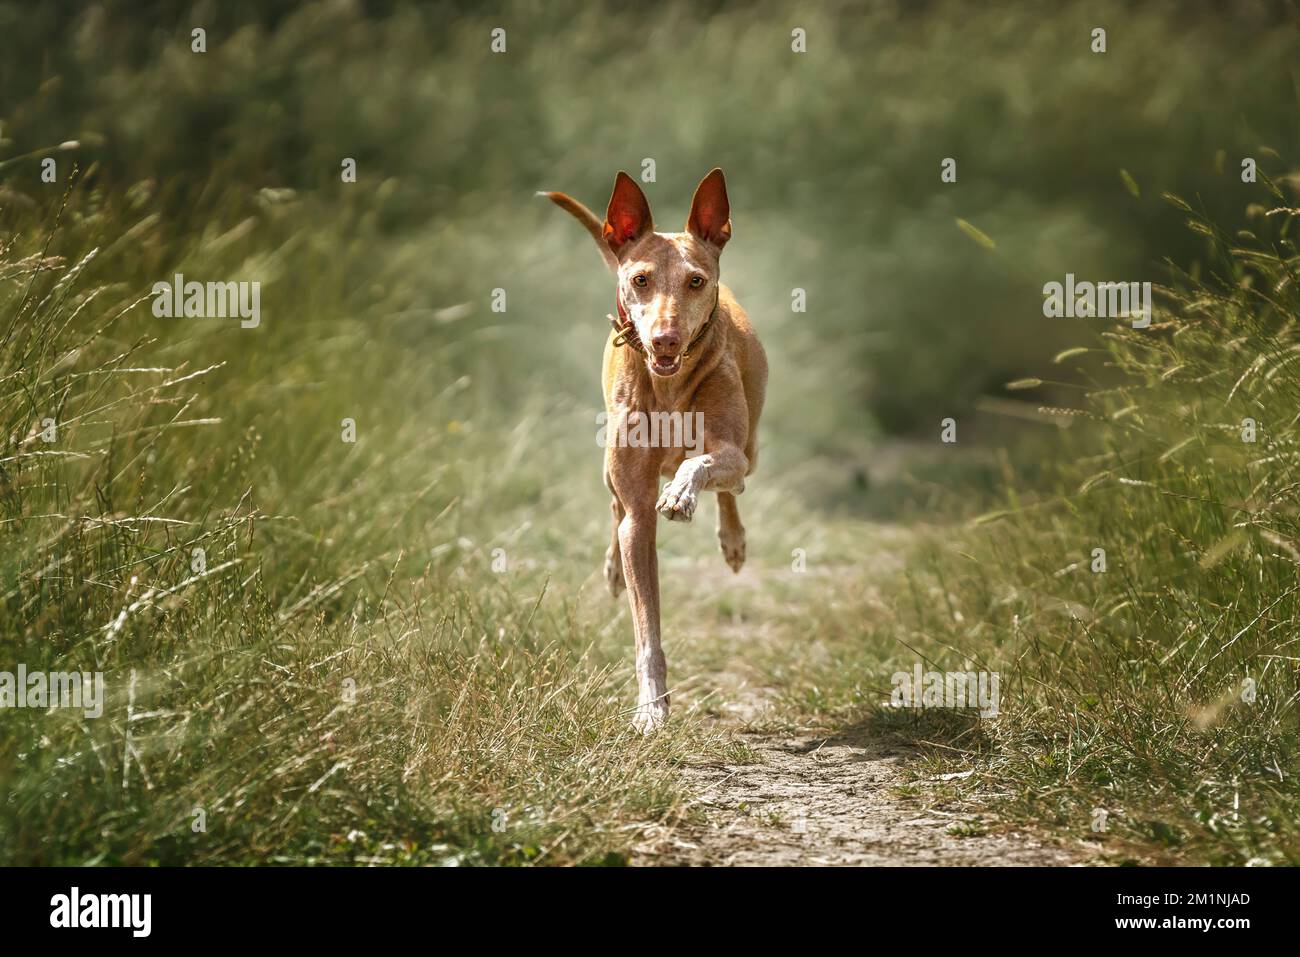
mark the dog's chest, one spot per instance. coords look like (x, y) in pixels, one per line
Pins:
(664, 427)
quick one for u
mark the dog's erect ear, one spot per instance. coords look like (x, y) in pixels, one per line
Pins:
(628, 217)
(710, 217)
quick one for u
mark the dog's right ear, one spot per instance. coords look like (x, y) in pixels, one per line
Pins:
(627, 218)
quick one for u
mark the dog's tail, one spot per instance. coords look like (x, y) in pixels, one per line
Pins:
(589, 221)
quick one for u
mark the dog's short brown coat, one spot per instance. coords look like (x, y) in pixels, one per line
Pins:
(700, 355)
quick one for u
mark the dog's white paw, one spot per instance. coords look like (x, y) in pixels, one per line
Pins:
(651, 715)
(614, 572)
(677, 502)
(732, 542)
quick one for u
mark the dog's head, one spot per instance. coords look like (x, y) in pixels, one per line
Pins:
(667, 282)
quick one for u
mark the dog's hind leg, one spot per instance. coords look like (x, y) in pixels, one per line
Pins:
(731, 534)
(613, 557)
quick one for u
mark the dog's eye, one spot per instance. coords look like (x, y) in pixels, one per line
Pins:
(697, 282)
(639, 279)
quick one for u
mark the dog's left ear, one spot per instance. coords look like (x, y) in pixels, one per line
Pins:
(710, 217)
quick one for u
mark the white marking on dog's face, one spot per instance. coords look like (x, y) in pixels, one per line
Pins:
(669, 285)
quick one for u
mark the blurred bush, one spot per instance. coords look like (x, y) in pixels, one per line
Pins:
(833, 159)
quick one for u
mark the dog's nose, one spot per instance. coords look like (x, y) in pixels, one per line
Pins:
(665, 342)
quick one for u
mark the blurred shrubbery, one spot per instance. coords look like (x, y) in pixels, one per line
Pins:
(832, 157)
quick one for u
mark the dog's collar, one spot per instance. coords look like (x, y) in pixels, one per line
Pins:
(626, 334)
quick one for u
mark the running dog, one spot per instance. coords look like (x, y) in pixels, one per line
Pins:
(681, 343)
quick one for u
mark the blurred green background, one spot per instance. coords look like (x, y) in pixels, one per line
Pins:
(832, 157)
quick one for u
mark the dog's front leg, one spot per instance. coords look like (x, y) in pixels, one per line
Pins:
(636, 540)
(722, 469)
(631, 475)
(722, 464)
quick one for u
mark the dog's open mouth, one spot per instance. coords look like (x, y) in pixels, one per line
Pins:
(665, 365)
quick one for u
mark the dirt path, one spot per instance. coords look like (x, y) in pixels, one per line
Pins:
(839, 798)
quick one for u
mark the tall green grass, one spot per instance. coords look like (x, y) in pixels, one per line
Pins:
(310, 653)
(1161, 688)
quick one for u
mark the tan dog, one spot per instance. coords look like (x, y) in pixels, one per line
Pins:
(681, 344)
